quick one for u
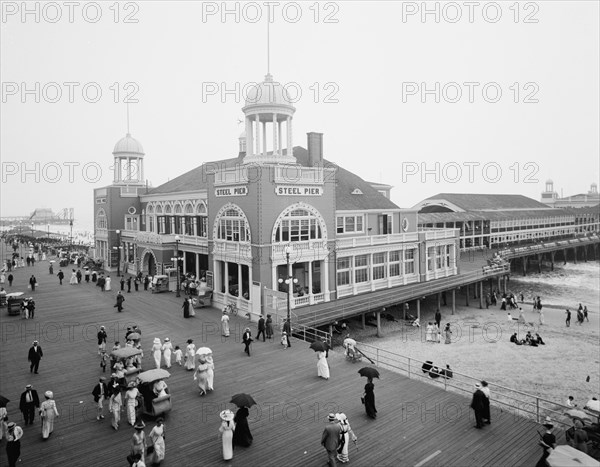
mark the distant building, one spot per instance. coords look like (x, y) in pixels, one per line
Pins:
(582, 200)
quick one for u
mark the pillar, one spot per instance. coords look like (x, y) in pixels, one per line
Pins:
(226, 276)
(499, 285)
(505, 284)
(239, 281)
(467, 295)
(419, 309)
(453, 300)
(264, 137)
(439, 301)
(257, 135)
(362, 320)
(280, 139)
(290, 150)
(524, 265)
(539, 258)
(378, 314)
(198, 264)
(310, 279)
(565, 256)
(575, 255)
(481, 295)
(249, 137)
(275, 134)
(326, 279)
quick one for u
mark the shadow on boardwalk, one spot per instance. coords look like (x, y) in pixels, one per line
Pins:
(416, 421)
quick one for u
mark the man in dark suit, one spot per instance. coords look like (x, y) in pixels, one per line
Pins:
(261, 328)
(287, 328)
(331, 439)
(100, 393)
(34, 357)
(30, 401)
(478, 405)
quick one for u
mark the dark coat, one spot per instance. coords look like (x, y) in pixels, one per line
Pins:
(261, 324)
(96, 391)
(330, 439)
(120, 299)
(34, 396)
(35, 354)
(241, 434)
(60, 275)
(478, 401)
(101, 337)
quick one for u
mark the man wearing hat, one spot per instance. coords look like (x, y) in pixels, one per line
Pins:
(548, 442)
(13, 444)
(100, 393)
(478, 405)
(29, 402)
(102, 340)
(34, 357)
(331, 439)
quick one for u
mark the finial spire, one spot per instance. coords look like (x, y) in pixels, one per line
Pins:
(127, 118)
(268, 43)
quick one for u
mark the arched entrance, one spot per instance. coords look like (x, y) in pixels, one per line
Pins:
(149, 263)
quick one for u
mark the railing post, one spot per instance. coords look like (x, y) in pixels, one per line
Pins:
(377, 358)
(537, 408)
(446, 384)
(408, 367)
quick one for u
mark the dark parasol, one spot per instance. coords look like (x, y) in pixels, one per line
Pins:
(3, 401)
(243, 400)
(318, 346)
(369, 372)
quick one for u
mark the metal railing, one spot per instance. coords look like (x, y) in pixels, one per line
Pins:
(515, 402)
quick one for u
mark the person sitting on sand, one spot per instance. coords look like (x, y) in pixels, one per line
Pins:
(515, 339)
(539, 339)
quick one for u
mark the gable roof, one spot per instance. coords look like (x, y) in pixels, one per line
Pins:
(487, 202)
(346, 183)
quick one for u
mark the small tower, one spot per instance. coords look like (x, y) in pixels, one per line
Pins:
(549, 186)
(128, 162)
(593, 189)
(242, 145)
(267, 108)
(549, 196)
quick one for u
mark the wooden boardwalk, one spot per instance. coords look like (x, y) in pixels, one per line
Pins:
(418, 423)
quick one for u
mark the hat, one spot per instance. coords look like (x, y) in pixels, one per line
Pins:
(226, 415)
(189, 341)
(131, 384)
(167, 339)
(341, 417)
(102, 378)
(477, 385)
(139, 425)
(101, 327)
(11, 425)
(331, 417)
(35, 342)
(156, 340)
(29, 386)
(548, 423)
(49, 394)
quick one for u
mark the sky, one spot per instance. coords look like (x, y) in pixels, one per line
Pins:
(428, 97)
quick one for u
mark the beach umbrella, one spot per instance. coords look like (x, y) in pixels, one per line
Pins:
(369, 372)
(153, 375)
(3, 401)
(348, 341)
(203, 351)
(318, 346)
(243, 400)
(134, 336)
(567, 456)
(580, 414)
(125, 352)
(593, 405)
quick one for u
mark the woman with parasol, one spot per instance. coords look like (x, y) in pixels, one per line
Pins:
(369, 395)
(201, 375)
(322, 367)
(241, 434)
(226, 433)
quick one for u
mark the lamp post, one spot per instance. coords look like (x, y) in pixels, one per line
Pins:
(289, 281)
(32, 229)
(177, 240)
(71, 240)
(48, 226)
(118, 247)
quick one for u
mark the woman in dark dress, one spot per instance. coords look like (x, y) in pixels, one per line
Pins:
(370, 399)
(186, 308)
(241, 434)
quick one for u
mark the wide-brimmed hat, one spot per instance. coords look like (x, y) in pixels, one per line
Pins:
(167, 339)
(139, 425)
(11, 425)
(102, 378)
(478, 385)
(156, 340)
(29, 386)
(131, 384)
(226, 415)
(548, 423)
(49, 394)
(331, 417)
(101, 327)
(341, 417)
(35, 342)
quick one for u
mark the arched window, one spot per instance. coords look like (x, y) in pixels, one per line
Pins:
(232, 225)
(168, 209)
(150, 209)
(178, 209)
(201, 209)
(299, 224)
(189, 209)
(101, 222)
(159, 209)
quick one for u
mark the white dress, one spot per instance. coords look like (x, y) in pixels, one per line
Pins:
(322, 366)
(210, 373)
(107, 284)
(73, 280)
(156, 353)
(167, 348)
(225, 325)
(190, 357)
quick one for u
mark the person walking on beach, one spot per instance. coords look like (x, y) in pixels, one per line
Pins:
(347, 432)
(11, 278)
(120, 300)
(330, 439)
(100, 393)
(225, 324)
(568, 320)
(102, 340)
(369, 397)
(247, 340)
(226, 433)
(585, 312)
(129, 284)
(167, 348)
(269, 327)
(32, 282)
(48, 413)
(13, 443)
(122, 282)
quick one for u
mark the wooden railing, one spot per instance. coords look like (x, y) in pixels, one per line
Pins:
(515, 402)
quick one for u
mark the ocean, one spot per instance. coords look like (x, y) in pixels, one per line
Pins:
(565, 287)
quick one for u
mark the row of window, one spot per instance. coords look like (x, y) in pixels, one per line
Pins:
(374, 266)
(438, 257)
(182, 225)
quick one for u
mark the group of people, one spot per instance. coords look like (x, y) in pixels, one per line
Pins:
(582, 315)
(433, 333)
(529, 339)
(336, 438)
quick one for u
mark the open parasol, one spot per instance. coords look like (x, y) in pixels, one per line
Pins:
(318, 346)
(52, 261)
(348, 341)
(369, 372)
(203, 351)
(243, 400)
(125, 352)
(4, 401)
(153, 375)
(578, 414)
(567, 456)
(134, 336)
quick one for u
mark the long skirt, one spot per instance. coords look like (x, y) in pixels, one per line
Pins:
(167, 358)
(190, 362)
(343, 449)
(131, 411)
(115, 410)
(157, 356)
(48, 423)
(323, 368)
(225, 325)
(210, 378)
(203, 381)
(159, 450)
(227, 444)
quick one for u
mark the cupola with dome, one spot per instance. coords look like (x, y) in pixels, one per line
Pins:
(128, 162)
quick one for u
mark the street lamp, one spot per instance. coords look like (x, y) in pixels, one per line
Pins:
(289, 281)
(176, 259)
(48, 226)
(118, 248)
(32, 229)
(71, 241)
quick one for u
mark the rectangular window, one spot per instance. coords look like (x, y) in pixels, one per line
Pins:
(162, 225)
(394, 263)
(361, 268)
(430, 258)
(349, 224)
(409, 261)
(343, 270)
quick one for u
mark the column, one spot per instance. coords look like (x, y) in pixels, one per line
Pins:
(325, 279)
(275, 134)
(539, 258)
(362, 319)
(552, 260)
(226, 276)
(250, 282)
(128, 168)
(505, 284)
(481, 294)
(289, 151)
(378, 314)
(310, 291)
(453, 300)
(274, 278)
(280, 148)
(141, 169)
(197, 265)
(264, 137)
(467, 295)
(239, 273)
(249, 138)
(524, 265)
(439, 300)
(418, 309)
(257, 136)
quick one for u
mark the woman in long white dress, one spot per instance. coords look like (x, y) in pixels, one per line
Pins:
(210, 372)
(107, 283)
(322, 366)
(347, 434)
(73, 280)
(157, 352)
(226, 432)
(160, 388)
(429, 332)
(115, 403)
(201, 375)
(190, 355)
(167, 348)
(225, 324)
(48, 413)
(157, 438)
(131, 402)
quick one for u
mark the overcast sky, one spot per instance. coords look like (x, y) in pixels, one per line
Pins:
(361, 68)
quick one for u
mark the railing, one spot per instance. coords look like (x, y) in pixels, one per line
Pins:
(518, 403)
(297, 174)
(439, 234)
(305, 250)
(309, 334)
(368, 240)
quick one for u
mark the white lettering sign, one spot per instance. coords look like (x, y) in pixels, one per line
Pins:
(241, 190)
(282, 190)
